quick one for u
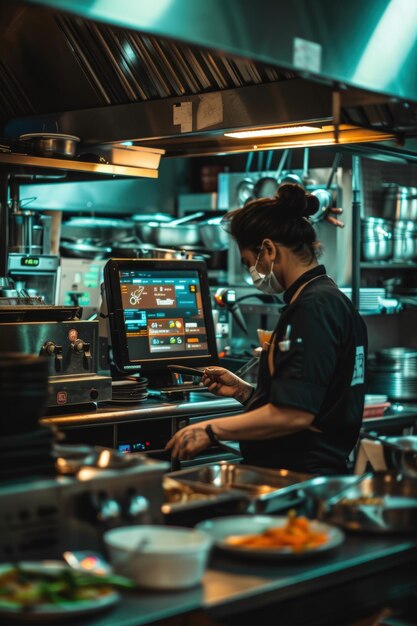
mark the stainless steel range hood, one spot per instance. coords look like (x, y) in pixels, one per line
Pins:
(178, 75)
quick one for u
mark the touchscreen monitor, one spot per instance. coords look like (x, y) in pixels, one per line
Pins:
(159, 313)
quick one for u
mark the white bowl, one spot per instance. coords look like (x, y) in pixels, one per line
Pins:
(159, 557)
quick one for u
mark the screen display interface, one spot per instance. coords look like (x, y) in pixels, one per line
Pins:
(163, 315)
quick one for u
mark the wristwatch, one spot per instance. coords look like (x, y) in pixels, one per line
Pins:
(210, 433)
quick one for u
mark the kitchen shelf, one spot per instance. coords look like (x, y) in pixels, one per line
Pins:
(30, 161)
(388, 265)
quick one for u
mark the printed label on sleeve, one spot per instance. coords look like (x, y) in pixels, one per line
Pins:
(358, 377)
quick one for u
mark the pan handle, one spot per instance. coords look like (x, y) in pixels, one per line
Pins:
(336, 162)
(282, 162)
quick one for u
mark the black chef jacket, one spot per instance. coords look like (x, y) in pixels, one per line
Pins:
(322, 372)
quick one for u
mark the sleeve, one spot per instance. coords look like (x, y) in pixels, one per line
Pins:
(302, 375)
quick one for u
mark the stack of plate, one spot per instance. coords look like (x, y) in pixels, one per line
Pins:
(129, 390)
(369, 297)
(393, 371)
(27, 454)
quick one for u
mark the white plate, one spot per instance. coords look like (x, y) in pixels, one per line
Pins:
(223, 527)
(53, 612)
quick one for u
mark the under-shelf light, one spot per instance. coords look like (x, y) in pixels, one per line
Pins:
(272, 132)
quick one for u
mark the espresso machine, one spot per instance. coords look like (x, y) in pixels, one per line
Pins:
(32, 268)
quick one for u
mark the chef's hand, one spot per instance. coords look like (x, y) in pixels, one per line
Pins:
(221, 382)
(330, 217)
(188, 442)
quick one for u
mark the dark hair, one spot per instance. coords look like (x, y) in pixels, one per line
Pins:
(282, 218)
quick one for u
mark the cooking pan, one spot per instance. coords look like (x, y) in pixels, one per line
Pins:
(51, 144)
(84, 249)
(97, 228)
(267, 186)
(244, 190)
(176, 233)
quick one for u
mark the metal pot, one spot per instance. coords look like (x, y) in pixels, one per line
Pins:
(213, 236)
(405, 246)
(51, 144)
(377, 243)
(400, 203)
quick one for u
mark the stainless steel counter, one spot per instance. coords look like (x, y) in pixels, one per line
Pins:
(198, 404)
(234, 588)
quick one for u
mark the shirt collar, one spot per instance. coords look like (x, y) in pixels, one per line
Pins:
(320, 270)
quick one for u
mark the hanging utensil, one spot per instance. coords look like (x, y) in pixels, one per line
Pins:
(305, 176)
(325, 196)
(288, 176)
(245, 188)
(267, 186)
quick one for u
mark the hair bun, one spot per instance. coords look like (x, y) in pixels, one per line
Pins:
(312, 205)
(294, 202)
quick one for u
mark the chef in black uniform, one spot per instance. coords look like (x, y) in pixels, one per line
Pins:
(306, 410)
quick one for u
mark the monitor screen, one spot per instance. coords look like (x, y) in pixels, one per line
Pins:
(159, 313)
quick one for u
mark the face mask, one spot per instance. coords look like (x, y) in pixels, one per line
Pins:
(267, 283)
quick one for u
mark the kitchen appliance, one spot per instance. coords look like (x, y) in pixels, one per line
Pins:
(47, 517)
(71, 347)
(79, 284)
(37, 274)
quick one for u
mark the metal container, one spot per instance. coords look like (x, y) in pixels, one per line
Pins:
(385, 502)
(267, 490)
(376, 228)
(400, 203)
(51, 144)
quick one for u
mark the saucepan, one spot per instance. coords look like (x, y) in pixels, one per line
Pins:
(244, 190)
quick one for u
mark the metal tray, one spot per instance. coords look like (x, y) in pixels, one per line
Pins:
(266, 490)
(218, 501)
